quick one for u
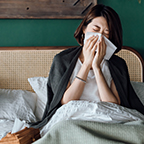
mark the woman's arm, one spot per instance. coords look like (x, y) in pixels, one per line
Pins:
(74, 91)
(106, 94)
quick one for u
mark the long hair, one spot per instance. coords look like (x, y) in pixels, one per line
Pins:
(113, 21)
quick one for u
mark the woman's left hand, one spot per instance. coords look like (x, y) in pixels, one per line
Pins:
(101, 51)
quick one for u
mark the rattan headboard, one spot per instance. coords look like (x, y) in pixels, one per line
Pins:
(134, 62)
(17, 64)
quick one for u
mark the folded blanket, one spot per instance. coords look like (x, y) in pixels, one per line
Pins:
(105, 112)
(85, 132)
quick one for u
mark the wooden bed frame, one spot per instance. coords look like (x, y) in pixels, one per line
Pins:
(17, 64)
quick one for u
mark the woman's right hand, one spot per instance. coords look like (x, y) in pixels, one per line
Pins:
(89, 49)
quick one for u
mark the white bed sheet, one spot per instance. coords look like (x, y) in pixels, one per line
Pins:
(82, 111)
(5, 127)
(92, 111)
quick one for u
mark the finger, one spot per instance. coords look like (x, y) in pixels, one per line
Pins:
(98, 47)
(95, 46)
(88, 41)
(104, 46)
(90, 38)
(93, 42)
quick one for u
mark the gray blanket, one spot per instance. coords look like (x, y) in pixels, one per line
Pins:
(84, 132)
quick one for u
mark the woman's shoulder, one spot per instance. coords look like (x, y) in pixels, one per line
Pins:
(118, 61)
(64, 58)
(67, 53)
(69, 50)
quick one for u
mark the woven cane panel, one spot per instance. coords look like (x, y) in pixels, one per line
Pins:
(17, 66)
(133, 63)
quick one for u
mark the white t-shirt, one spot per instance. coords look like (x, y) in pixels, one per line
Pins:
(90, 91)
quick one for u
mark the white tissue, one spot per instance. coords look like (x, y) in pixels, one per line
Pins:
(18, 125)
(110, 46)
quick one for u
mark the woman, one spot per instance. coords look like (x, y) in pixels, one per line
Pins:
(80, 77)
(100, 23)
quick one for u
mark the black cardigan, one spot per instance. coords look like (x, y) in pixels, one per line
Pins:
(60, 73)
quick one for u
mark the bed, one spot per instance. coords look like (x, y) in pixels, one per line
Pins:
(23, 79)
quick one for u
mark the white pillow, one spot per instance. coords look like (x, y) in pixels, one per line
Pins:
(39, 85)
(17, 104)
(139, 89)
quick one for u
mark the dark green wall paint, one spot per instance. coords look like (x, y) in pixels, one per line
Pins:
(37, 32)
(14, 32)
(132, 17)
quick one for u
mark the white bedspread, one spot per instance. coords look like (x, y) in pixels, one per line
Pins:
(92, 111)
(5, 127)
(79, 110)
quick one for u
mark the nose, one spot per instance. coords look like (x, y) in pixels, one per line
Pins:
(101, 32)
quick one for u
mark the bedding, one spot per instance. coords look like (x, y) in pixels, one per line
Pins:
(5, 127)
(122, 125)
(86, 132)
(16, 104)
(39, 86)
(139, 89)
(93, 111)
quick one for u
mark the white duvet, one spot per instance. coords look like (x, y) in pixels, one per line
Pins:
(80, 110)
(5, 127)
(92, 111)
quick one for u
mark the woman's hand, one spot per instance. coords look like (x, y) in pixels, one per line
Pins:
(89, 50)
(101, 51)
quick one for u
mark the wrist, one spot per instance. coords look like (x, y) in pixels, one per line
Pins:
(96, 67)
(97, 70)
(87, 65)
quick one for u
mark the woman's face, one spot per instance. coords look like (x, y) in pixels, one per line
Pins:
(99, 25)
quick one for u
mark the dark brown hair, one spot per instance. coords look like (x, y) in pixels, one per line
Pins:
(113, 20)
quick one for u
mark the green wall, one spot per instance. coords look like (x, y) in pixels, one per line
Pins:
(14, 32)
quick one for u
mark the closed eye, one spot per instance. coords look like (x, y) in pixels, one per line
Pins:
(106, 34)
(96, 30)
